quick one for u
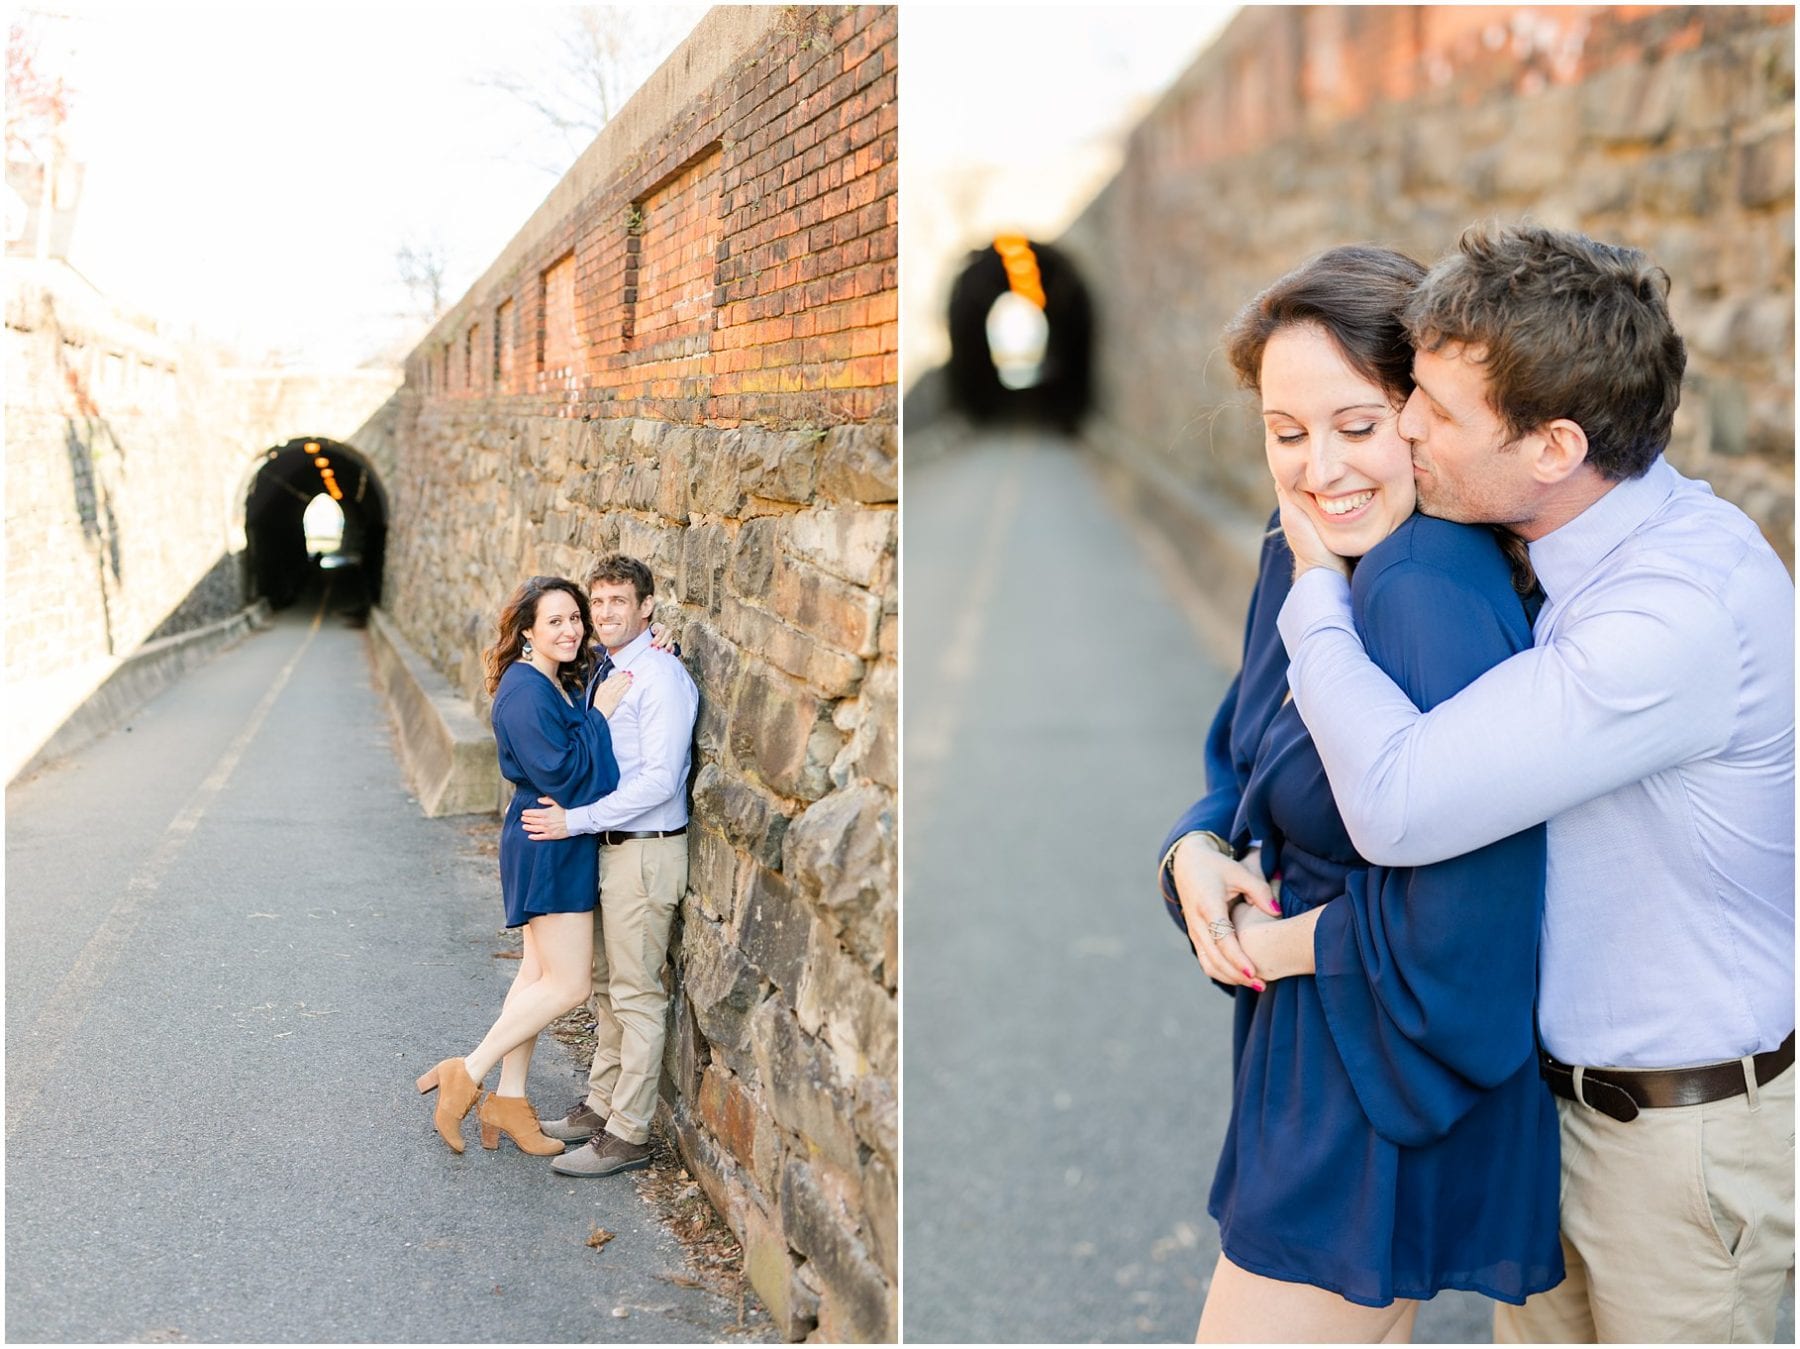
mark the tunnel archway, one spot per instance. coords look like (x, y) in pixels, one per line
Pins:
(279, 564)
(990, 384)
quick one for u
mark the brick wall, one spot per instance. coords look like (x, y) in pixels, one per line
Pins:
(1669, 128)
(694, 363)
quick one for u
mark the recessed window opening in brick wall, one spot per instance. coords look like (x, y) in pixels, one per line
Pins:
(671, 276)
(471, 345)
(557, 340)
(503, 347)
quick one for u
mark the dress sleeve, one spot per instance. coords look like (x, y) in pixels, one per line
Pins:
(1264, 665)
(570, 760)
(1428, 974)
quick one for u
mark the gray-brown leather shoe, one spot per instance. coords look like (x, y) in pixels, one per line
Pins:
(580, 1124)
(604, 1155)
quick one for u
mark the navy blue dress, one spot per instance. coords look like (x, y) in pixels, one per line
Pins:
(548, 748)
(1389, 1134)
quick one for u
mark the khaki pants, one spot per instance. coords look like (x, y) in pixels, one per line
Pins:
(1676, 1228)
(641, 882)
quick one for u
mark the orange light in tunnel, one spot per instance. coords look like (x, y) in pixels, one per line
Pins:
(331, 486)
(1022, 275)
(312, 447)
(322, 462)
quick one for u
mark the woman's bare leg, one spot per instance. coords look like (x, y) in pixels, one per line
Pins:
(516, 1066)
(1246, 1308)
(1402, 1332)
(565, 951)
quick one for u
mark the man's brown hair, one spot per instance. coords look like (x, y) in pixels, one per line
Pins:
(1565, 328)
(618, 569)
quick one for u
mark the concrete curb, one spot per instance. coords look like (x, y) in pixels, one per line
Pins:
(137, 679)
(447, 750)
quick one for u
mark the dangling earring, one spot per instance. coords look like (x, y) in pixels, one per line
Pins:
(525, 651)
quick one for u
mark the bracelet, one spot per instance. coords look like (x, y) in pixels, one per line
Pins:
(1212, 839)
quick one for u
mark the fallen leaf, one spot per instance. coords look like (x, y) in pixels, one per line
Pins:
(599, 1237)
(509, 955)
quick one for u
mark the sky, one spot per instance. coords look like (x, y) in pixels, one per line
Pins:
(252, 171)
(1012, 119)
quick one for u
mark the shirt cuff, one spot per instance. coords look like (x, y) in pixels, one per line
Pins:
(580, 820)
(1320, 598)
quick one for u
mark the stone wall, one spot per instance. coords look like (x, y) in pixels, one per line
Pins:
(127, 459)
(1669, 128)
(688, 355)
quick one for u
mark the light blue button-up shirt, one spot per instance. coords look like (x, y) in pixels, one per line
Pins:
(652, 732)
(1652, 725)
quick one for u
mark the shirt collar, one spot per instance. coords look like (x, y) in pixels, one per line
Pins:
(1563, 556)
(623, 657)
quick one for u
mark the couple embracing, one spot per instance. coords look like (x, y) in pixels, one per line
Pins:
(593, 860)
(1496, 855)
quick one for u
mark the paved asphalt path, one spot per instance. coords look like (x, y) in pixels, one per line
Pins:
(232, 944)
(1067, 1066)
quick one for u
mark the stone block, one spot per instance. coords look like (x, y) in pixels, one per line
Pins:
(833, 673)
(861, 463)
(639, 487)
(701, 580)
(857, 1304)
(730, 1113)
(722, 988)
(881, 1214)
(753, 557)
(1539, 145)
(851, 544)
(676, 459)
(841, 853)
(872, 723)
(1631, 102)
(1765, 171)
(773, 930)
(1712, 85)
(875, 1115)
(784, 731)
(841, 1001)
(715, 665)
(800, 1086)
(778, 465)
(750, 818)
(1688, 183)
(1727, 417)
(715, 475)
(771, 1270)
(840, 614)
(722, 1180)
(653, 543)
(714, 867)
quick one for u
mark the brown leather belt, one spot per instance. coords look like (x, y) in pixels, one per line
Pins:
(612, 836)
(1621, 1093)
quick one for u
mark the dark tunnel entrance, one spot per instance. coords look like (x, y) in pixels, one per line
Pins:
(315, 520)
(1021, 336)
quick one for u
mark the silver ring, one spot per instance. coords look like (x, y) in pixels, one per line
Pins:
(1221, 928)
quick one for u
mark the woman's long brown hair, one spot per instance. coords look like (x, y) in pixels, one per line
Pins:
(517, 618)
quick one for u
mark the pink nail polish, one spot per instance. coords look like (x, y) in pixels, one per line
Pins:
(1259, 986)
(1275, 904)
(1248, 972)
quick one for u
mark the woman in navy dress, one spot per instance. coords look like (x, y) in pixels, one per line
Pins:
(1389, 1136)
(549, 746)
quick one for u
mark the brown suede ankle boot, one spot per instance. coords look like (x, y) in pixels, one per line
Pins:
(514, 1117)
(456, 1093)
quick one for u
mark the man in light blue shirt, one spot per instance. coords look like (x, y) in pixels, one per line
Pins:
(643, 873)
(1651, 725)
